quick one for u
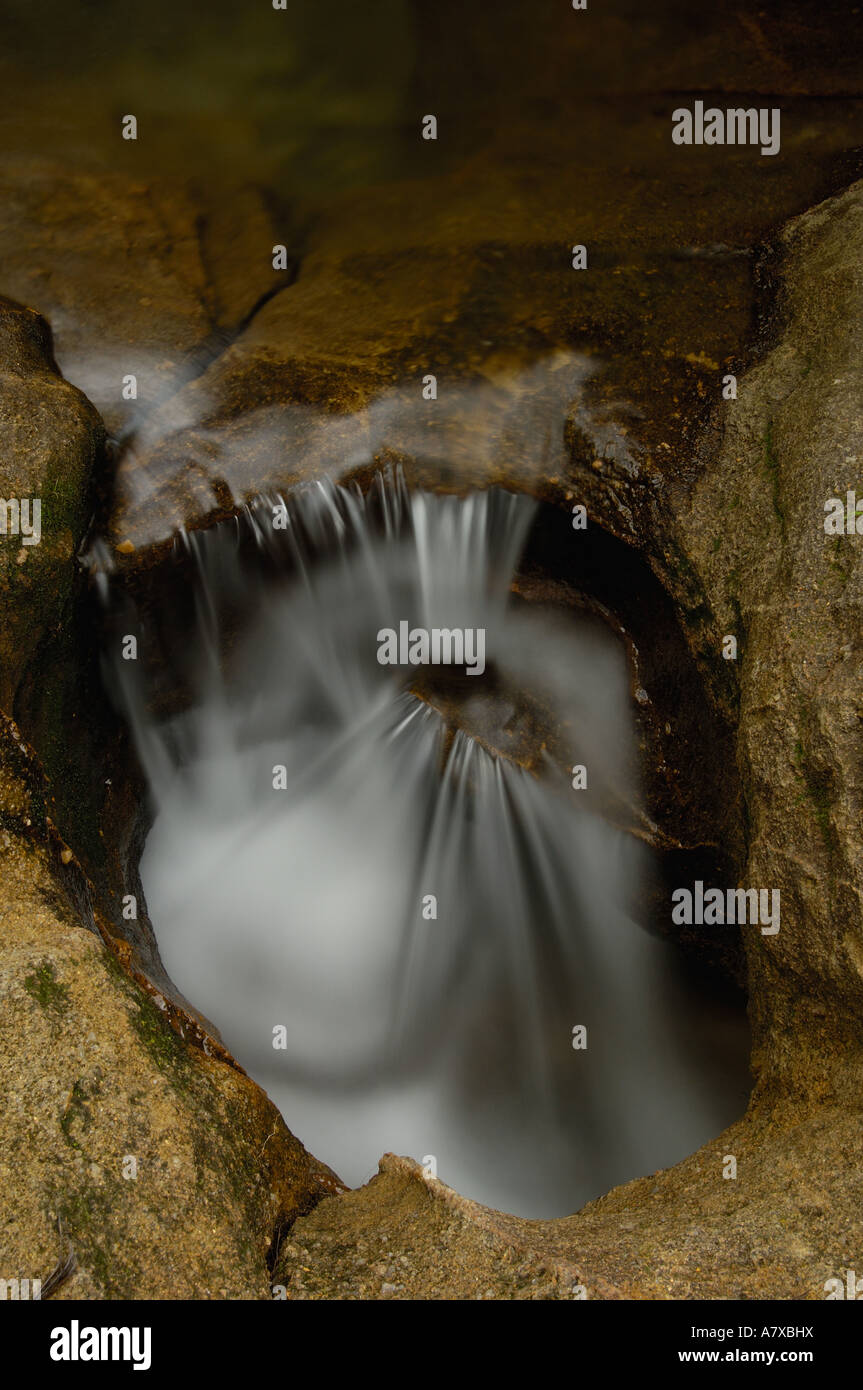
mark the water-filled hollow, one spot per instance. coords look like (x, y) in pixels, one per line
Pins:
(386, 885)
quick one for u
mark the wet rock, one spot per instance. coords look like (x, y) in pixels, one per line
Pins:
(137, 278)
(459, 265)
(51, 440)
(792, 594)
(445, 328)
(52, 458)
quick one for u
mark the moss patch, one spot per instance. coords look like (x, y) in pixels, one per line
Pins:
(97, 1227)
(76, 1108)
(159, 1040)
(771, 464)
(47, 990)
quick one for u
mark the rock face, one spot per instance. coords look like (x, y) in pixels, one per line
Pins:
(335, 373)
(794, 594)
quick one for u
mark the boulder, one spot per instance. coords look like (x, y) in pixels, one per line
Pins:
(792, 594)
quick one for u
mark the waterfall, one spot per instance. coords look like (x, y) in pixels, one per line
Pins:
(379, 881)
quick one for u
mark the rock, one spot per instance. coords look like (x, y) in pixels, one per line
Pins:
(445, 1247)
(52, 449)
(787, 1224)
(458, 263)
(793, 596)
(51, 440)
(149, 279)
(435, 279)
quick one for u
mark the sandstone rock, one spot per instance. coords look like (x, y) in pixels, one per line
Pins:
(403, 1236)
(461, 267)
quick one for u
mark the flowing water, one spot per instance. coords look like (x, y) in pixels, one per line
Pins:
(402, 925)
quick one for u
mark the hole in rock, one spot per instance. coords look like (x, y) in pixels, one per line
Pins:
(375, 876)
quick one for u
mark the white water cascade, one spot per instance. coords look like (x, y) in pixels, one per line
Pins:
(402, 938)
